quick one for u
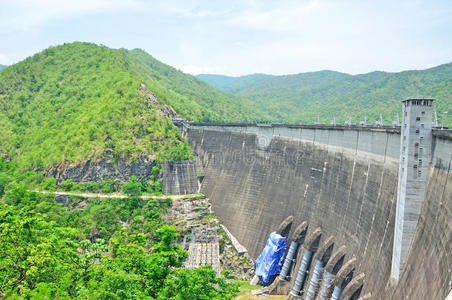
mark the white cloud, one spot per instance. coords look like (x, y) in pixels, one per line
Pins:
(241, 36)
(349, 36)
(286, 16)
(4, 60)
(29, 15)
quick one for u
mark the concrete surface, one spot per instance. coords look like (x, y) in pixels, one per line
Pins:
(180, 177)
(343, 181)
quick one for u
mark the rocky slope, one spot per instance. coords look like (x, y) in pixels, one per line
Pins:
(196, 223)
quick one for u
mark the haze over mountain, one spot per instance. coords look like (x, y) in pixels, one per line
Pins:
(79, 101)
(327, 94)
(2, 67)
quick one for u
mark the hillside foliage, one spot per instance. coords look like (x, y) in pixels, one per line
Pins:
(303, 97)
(93, 248)
(81, 101)
(190, 97)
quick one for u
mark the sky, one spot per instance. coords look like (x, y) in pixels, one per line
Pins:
(241, 37)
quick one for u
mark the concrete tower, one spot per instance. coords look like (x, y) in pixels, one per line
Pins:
(415, 157)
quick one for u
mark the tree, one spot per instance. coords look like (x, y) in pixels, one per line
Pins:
(48, 184)
(133, 187)
(108, 249)
(201, 283)
(32, 251)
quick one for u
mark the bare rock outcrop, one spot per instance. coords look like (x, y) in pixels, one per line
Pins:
(101, 169)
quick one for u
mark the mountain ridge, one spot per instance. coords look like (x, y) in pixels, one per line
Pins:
(318, 71)
(80, 101)
(304, 96)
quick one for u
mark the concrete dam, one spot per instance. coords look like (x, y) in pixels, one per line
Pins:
(379, 198)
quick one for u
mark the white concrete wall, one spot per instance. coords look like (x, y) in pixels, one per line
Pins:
(415, 156)
(383, 143)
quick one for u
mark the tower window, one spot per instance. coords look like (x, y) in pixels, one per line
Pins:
(417, 131)
(423, 113)
(422, 125)
(418, 118)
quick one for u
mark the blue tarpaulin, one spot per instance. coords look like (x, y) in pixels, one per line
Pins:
(269, 261)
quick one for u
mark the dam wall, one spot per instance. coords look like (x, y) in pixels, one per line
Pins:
(340, 179)
(350, 194)
(381, 140)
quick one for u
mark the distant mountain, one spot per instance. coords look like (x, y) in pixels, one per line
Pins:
(2, 67)
(81, 101)
(231, 84)
(326, 94)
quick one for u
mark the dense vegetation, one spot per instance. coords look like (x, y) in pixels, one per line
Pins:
(189, 96)
(80, 101)
(93, 249)
(327, 94)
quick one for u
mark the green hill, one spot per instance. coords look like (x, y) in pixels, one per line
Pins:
(79, 101)
(2, 67)
(232, 84)
(327, 94)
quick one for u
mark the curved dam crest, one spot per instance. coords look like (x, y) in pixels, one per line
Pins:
(340, 179)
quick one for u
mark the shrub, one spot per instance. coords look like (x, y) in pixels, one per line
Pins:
(66, 185)
(133, 188)
(49, 184)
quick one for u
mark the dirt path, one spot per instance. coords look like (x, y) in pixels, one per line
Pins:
(115, 195)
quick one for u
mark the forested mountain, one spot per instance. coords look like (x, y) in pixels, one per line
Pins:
(78, 101)
(233, 84)
(327, 94)
(2, 67)
(72, 104)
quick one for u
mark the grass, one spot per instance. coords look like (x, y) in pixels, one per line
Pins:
(245, 292)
